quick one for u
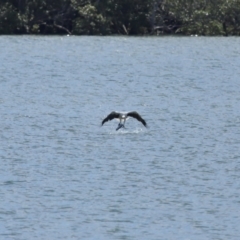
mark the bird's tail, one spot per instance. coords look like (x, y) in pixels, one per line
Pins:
(120, 125)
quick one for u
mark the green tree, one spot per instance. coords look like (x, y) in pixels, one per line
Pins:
(9, 19)
(101, 17)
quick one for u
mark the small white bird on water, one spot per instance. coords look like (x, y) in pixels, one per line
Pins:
(123, 117)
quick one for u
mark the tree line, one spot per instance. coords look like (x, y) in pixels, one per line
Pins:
(130, 17)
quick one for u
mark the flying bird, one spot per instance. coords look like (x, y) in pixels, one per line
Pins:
(123, 117)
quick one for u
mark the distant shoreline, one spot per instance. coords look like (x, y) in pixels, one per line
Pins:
(116, 17)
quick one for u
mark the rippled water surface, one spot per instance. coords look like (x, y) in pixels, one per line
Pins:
(63, 176)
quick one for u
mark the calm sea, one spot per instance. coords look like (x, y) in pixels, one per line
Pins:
(64, 176)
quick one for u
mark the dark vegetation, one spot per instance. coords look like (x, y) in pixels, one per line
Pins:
(130, 17)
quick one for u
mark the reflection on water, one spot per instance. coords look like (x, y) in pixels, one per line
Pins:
(64, 176)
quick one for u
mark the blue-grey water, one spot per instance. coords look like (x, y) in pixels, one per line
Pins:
(63, 176)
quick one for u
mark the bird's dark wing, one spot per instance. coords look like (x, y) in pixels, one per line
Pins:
(110, 117)
(138, 117)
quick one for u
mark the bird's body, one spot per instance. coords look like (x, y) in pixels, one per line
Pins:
(123, 117)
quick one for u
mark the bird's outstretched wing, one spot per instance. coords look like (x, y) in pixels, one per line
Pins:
(111, 116)
(138, 117)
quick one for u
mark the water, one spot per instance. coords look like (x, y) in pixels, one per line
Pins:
(63, 176)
